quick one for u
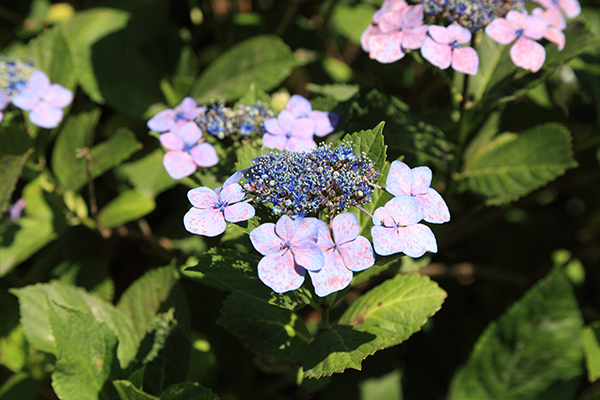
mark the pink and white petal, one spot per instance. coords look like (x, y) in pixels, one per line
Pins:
(412, 16)
(345, 228)
(413, 38)
(303, 128)
(298, 106)
(238, 212)
(465, 60)
(552, 16)
(286, 120)
(545, 3)
(422, 180)
(1, 116)
(171, 141)
(461, 34)
(389, 21)
(394, 188)
(45, 116)
(58, 96)
(187, 107)
(204, 222)
(501, 31)
(25, 100)
(418, 240)
(308, 255)
(235, 178)
(272, 126)
(297, 145)
(358, 254)
(388, 6)
(265, 240)
(190, 133)
(274, 142)
(404, 210)
(232, 193)
(203, 197)
(387, 47)
(382, 216)
(324, 122)
(528, 54)
(279, 272)
(534, 27)
(441, 34)
(162, 122)
(436, 53)
(333, 277)
(204, 155)
(386, 241)
(434, 207)
(371, 30)
(179, 164)
(555, 36)
(401, 173)
(516, 18)
(324, 241)
(38, 83)
(305, 229)
(286, 228)
(572, 8)
(3, 100)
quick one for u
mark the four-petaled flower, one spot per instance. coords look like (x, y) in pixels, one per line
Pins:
(43, 100)
(396, 229)
(185, 152)
(287, 132)
(325, 122)
(213, 207)
(347, 251)
(289, 248)
(172, 119)
(571, 8)
(443, 48)
(402, 180)
(556, 25)
(525, 53)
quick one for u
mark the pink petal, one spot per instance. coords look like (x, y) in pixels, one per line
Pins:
(461, 34)
(303, 128)
(274, 142)
(345, 228)
(386, 48)
(325, 122)
(371, 31)
(501, 31)
(555, 36)
(279, 272)
(434, 207)
(204, 155)
(402, 174)
(265, 240)
(389, 21)
(25, 100)
(418, 239)
(333, 277)
(572, 8)
(304, 229)
(414, 38)
(189, 108)
(389, 6)
(238, 212)
(285, 228)
(527, 54)
(38, 83)
(286, 120)
(202, 197)
(552, 16)
(298, 106)
(438, 54)
(204, 222)
(45, 116)
(272, 126)
(178, 164)
(358, 254)
(232, 193)
(235, 178)
(382, 216)
(441, 34)
(162, 122)
(58, 96)
(308, 255)
(298, 145)
(171, 141)
(324, 241)
(534, 27)
(404, 210)
(190, 133)
(412, 15)
(422, 180)
(3, 100)
(465, 60)
(386, 241)
(516, 18)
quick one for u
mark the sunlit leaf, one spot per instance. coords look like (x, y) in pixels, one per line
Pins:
(127, 391)
(591, 348)
(128, 206)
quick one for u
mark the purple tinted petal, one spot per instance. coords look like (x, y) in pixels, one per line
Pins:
(265, 240)
(324, 240)
(204, 155)
(516, 18)
(501, 31)
(345, 228)
(38, 83)
(441, 34)
(296, 145)
(371, 31)
(162, 122)
(402, 174)
(418, 239)
(304, 229)
(279, 272)
(204, 222)
(308, 255)
(422, 180)
(188, 108)
(534, 27)
(232, 193)
(412, 15)
(324, 122)
(527, 54)
(58, 96)
(465, 60)
(178, 164)
(552, 16)
(414, 38)
(190, 133)
(381, 216)
(394, 188)
(436, 53)
(202, 197)
(274, 142)
(386, 241)
(572, 8)
(286, 120)
(461, 34)
(389, 22)
(555, 36)
(3, 100)
(238, 212)
(358, 254)
(285, 228)
(1, 116)
(298, 106)
(235, 178)
(387, 47)
(303, 128)
(333, 277)
(404, 210)
(45, 116)
(25, 100)
(272, 126)
(434, 207)
(171, 141)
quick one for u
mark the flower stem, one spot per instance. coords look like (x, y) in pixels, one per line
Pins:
(363, 210)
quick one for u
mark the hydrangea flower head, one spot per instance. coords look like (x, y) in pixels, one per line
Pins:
(287, 132)
(244, 120)
(211, 208)
(396, 229)
(443, 48)
(43, 100)
(14, 75)
(344, 251)
(526, 52)
(325, 122)
(556, 25)
(289, 248)
(402, 180)
(172, 119)
(186, 152)
(3, 103)
(571, 8)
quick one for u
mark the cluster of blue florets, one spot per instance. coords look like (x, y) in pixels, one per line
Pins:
(244, 120)
(306, 183)
(14, 75)
(473, 15)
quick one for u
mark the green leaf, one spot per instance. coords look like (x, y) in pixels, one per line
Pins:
(14, 350)
(342, 347)
(400, 305)
(266, 330)
(20, 386)
(494, 65)
(387, 387)
(370, 142)
(232, 270)
(188, 391)
(246, 153)
(127, 391)
(590, 338)
(14, 140)
(128, 206)
(148, 174)
(85, 353)
(531, 346)
(338, 91)
(352, 21)
(263, 60)
(254, 95)
(10, 171)
(513, 165)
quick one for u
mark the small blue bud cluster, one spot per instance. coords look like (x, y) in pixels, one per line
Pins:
(473, 15)
(244, 120)
(306, 183)
(14, 75)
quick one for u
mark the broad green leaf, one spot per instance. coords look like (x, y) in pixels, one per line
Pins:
(10, 171)
(400, 305)
(20, 386)
(530, 347)
(148, 174)
(370, 142)
(254, 95)
(77, 132)
(145, 297)
(590, 339)
(14, 140)
(264, 61)
(352, 21)
(387, 387)
(231, 270)
(128, 206)
(127, 391)
(35, 318)
(247, 153)
(188, 391)
(85, 354)
(494, 65)
(14, 350)
(342, 347)
(391, 265)
(338, 91)
(513, 165)
(266, 330)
